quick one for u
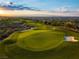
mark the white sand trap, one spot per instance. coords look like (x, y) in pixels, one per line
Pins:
(70, 38)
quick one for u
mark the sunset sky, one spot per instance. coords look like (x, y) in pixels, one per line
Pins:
(57, 7)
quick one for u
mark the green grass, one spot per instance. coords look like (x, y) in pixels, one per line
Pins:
(40, 40)
(40, 44)
(45, 43)
(37, 40)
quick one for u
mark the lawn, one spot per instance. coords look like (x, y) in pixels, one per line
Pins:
(37, 40)
(39, 44)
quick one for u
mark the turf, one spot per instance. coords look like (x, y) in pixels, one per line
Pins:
(26, 46)
(40, 40)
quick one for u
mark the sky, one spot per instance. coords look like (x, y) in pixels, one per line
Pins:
(46, 7)
(47, 4)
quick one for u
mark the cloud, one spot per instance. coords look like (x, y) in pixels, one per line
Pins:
(66, 9)
(77, 10)
(3, 2)
(62, 9)
(25, 13)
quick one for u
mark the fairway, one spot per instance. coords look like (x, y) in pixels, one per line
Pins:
(39, 44)
(39, 40)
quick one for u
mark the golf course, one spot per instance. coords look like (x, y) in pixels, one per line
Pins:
(38, 44)
(38, 41)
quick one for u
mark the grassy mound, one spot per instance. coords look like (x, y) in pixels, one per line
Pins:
(38, 40)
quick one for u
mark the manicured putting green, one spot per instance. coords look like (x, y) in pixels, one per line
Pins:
(40, 40)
